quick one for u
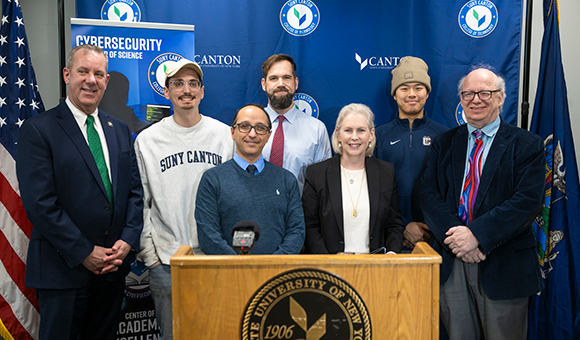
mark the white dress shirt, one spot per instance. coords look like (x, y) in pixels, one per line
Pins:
(81, 119)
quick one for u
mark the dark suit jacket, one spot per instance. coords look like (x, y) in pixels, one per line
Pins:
(322, 203)
(510, 192)
(65, 199)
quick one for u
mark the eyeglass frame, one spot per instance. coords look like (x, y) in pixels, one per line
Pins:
(268, 129)
(172, 85)
(491, 92)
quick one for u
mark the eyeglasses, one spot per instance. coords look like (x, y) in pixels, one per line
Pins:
(483, 95)
(260, 129)
(180, 84)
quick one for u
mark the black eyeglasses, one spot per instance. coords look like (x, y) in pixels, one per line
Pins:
(483, 95)
(180, 84)
(246, 128)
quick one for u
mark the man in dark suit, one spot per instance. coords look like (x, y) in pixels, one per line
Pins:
(81, 190)
(483, 184)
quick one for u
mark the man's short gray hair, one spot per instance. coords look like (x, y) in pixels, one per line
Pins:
(86, 48)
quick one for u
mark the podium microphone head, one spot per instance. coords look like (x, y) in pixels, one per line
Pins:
(245, 233)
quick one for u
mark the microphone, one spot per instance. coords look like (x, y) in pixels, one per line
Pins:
(245, 234)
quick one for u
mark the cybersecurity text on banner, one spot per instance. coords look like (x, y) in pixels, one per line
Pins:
(138, 54)
(19, 100)
(554, 312)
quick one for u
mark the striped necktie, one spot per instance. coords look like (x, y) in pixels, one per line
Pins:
(97, 151)
(467, 201)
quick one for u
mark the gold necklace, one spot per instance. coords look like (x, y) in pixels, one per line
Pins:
(354, 212)
(351, 181)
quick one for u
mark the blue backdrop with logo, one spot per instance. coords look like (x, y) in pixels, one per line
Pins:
(345, 50)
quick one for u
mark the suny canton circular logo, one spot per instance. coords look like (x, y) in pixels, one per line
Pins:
(459, 115)
(121, 10)
(156, 71)
(306, 304)
(306, 104)
(299, 17)
(478, 18)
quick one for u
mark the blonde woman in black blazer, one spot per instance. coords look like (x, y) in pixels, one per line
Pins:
(350, 201)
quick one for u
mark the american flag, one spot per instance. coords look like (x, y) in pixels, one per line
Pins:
(19, 100)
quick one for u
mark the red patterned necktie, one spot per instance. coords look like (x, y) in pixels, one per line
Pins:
(467, 201)
(277, 153)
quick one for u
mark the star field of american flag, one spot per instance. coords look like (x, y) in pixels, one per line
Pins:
(19, 100)
(19, 96)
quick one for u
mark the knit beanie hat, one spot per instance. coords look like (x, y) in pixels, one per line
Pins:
(410, 70)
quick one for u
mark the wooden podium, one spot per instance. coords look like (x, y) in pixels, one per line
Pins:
(213, 296)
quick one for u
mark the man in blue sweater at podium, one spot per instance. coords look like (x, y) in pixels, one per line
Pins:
(249, 188)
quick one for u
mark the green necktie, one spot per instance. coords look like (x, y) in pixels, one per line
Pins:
(97, 151)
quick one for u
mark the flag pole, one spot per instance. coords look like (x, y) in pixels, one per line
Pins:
(526, 72)
(62, 44)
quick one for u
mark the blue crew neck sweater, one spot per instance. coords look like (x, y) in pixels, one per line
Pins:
(227, 194)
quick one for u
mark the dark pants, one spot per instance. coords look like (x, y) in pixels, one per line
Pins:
(468, 313)
(85, 313)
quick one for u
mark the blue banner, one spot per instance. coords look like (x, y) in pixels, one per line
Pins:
(137, 54)
(345, 50)
(554, 312)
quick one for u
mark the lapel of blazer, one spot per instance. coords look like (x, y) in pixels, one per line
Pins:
(111, 137)
(71, 128)
(498, 148)
(459, 152)
(334, 188)
(372, 171)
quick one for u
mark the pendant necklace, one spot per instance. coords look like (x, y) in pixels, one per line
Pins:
(351, 180)
(354, 212)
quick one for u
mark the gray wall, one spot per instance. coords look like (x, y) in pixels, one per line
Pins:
(41, 22)
(41, 19)
(570, 57)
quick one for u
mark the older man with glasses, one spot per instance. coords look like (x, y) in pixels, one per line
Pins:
(172, 155)
(483, 184)
(249, 188)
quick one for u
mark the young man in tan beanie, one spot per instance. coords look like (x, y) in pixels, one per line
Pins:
(405, 140)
